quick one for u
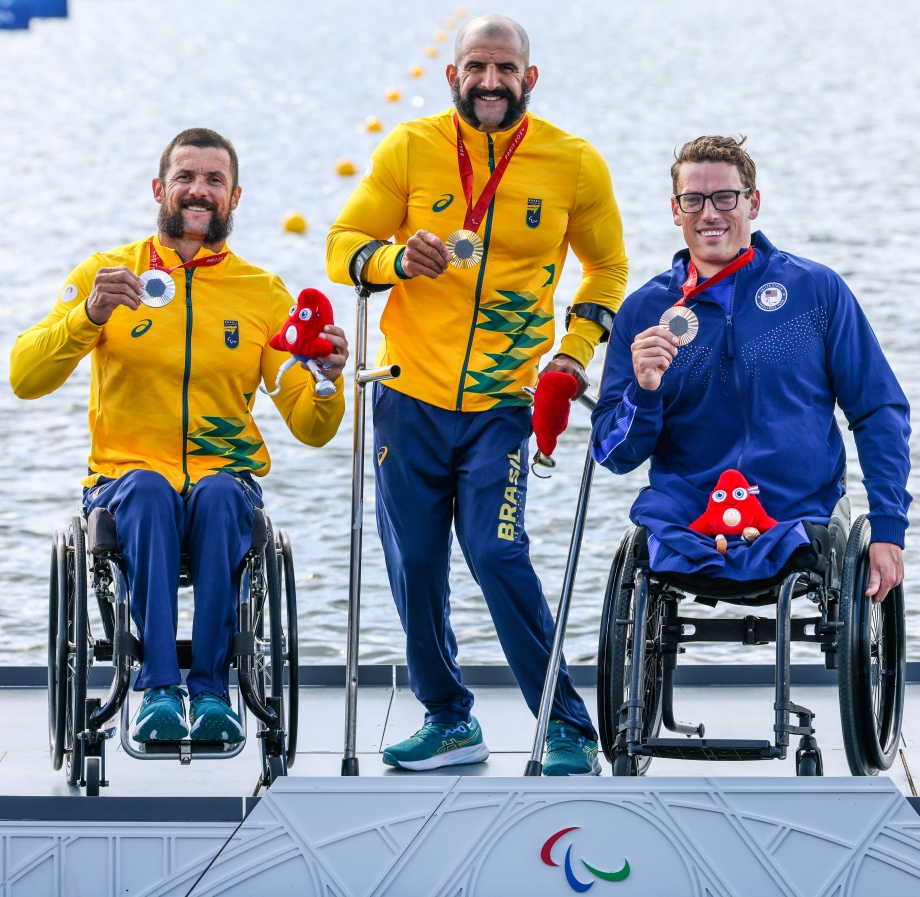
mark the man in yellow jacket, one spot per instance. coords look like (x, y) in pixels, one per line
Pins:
(177, 327)
(484, 203)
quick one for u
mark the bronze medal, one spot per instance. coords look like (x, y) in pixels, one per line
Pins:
(682, 322)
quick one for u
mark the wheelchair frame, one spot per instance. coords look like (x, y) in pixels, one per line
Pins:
(261, 652)
(642, 634)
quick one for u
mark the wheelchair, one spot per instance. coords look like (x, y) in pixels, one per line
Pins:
(264, 653)
(642, 634)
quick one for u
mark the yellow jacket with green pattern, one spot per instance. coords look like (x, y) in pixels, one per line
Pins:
(471, 339)
(172, 388)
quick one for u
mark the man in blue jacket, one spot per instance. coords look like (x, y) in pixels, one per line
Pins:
(735, 358)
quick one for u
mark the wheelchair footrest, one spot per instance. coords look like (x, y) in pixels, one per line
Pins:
(188, 748)
(707, 749)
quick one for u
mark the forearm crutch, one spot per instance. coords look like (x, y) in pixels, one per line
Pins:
(363, 376)
(535, 763)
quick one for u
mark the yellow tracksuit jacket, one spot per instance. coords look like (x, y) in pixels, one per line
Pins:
(472, 338)
(172, 388)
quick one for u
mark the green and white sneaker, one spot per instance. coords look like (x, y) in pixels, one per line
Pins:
(161, 716)
(569, 752)
(439, 744)
(213, 719)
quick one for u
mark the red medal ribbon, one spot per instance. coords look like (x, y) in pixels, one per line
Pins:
(156, 263)
(475, 214)
(691, 289)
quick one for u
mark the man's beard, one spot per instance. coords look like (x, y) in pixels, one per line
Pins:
(171, 223)
(466, 106)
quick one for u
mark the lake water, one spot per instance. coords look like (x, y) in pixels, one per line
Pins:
(826, 92)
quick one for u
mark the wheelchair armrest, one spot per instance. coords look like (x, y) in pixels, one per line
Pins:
(259, 531)
(101, 534)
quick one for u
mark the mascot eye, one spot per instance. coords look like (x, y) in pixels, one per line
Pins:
(293, 309)
(305, 314)
(719, 495)
(740, 494)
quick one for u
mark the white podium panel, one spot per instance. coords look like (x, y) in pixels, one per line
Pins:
(439, 836)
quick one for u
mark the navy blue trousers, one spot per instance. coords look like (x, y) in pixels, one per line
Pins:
(214, 522)
(436, 468)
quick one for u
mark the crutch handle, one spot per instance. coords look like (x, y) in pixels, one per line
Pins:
(371, 375)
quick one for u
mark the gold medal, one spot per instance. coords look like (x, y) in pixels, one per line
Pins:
(465, 248)
(682, 323)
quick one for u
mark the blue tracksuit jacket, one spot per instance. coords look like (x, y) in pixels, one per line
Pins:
(755, 391)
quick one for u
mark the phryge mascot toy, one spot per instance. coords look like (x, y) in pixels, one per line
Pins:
(733, 510)
(301, 335)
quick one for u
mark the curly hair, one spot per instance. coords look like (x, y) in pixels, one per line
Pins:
(717, 149)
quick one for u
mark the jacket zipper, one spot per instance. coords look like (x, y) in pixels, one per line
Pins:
(479, 280)
(734, 361)
(187, 375)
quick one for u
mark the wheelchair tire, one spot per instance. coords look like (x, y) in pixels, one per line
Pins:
(75, 636)
(872, 663)
(93, 777)
(275, 769)
(57, 664)
(273, 618)
(293, 650)
(614, 653)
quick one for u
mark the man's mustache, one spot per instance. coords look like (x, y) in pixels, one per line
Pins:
(501, 92)
(188, 202)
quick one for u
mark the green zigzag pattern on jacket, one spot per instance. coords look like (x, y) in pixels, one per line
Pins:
(221, 439)
(515, 316)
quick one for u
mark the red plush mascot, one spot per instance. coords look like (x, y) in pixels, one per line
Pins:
(302, 337)
(551, 404)
(733, 510)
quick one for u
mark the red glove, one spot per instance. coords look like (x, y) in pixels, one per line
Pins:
(551, 405)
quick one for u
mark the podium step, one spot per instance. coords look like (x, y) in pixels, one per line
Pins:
(708, 749)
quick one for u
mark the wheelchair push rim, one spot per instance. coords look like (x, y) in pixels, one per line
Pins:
(73, 645)
(615, 662)
(872, 663)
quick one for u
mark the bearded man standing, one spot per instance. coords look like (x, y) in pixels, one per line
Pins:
(484, 203)
(177, 326)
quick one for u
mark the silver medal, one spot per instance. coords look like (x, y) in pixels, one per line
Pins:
(159, 288)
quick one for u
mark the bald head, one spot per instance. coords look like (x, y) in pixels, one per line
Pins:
(490, 27)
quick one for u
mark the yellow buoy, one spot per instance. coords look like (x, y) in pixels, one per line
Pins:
(431, 51)
(416, 71)
(450, 23)
(294, 223)
(460, 12)
(392, 94)
(440, 37)
(372, 123)
(345, 167)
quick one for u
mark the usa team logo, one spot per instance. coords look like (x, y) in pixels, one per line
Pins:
(771, 297)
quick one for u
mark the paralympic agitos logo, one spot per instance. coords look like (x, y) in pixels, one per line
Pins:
(577, 885)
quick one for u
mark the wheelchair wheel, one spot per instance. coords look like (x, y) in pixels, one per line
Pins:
(57, 666)
(293, 652)
(872, 663)
(73, 654)
(615, 662)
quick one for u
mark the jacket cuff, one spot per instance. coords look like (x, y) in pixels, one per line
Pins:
(581, 340)
(644, 398)
(381, 266)
(400, 273)
(81, 326)
(887, 529)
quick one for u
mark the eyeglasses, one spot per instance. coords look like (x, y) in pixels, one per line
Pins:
(722, 200)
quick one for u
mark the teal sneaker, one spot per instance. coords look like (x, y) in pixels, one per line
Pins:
(213, 719)
(161, 716)
(569, 752)
(439, 744)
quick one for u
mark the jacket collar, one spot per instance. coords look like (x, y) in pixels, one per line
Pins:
(170, 257)
(763, 252)
(478, 142)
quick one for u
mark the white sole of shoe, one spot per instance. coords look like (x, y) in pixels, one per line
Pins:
(474, 753)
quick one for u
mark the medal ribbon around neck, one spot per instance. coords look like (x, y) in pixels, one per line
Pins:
(159, 287)
(465, 246)
(679, 319)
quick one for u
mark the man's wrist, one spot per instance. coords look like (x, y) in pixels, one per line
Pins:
(88, 315)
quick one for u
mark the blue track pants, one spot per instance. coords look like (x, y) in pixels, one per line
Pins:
(214, 523)
(436, 468)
